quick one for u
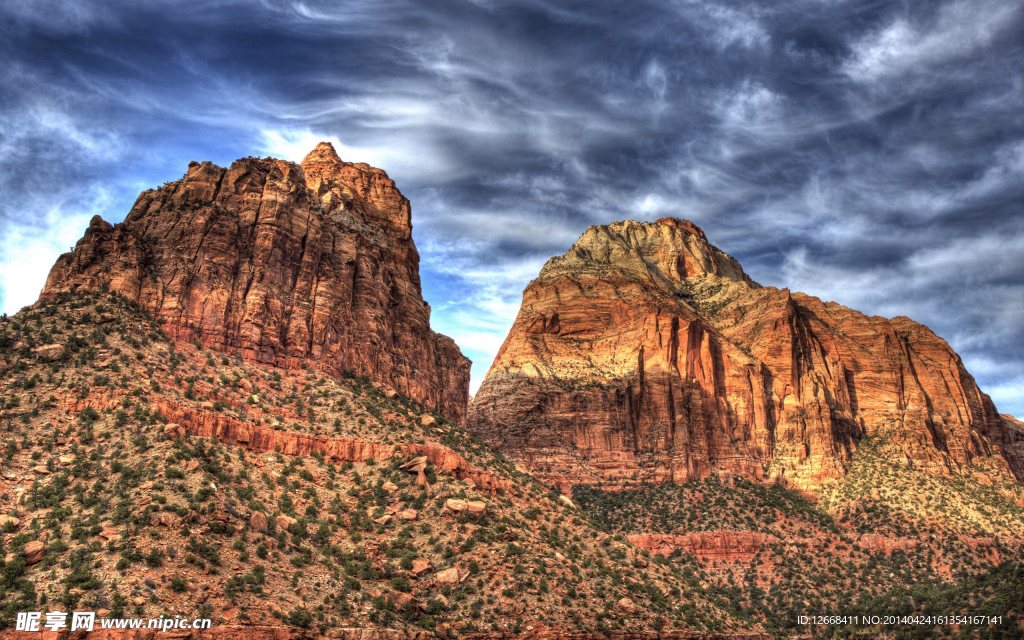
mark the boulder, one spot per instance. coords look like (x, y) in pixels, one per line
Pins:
(283, 522)
(565, 501)
(448, 576)
(163, 519)
(427, 421)
(475, 507)
(454, 504)
(626, 606)
(49, 352)
(420, 566)
(409, 514)
(34, 552)
(5, 519)
(258, 522)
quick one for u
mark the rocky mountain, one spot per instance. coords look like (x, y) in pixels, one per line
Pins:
(647, 354)
(231, 406)
(284, 264)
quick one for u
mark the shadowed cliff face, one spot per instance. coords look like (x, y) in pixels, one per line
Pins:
(645, 352)
(283, 264)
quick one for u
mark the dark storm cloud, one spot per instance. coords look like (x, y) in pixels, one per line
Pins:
(866, 152)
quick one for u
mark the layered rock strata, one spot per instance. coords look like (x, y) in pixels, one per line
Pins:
(725, 546)
(647, 353)
(282, 263)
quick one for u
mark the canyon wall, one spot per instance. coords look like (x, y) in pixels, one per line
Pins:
(645, 353)
(284, 264)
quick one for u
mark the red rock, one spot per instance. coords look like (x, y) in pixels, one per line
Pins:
(454, 504)
(163, 519)
(258, 522)
(282, 264)
(49, 352)
(728, 546)
(283, 522)
(886, 545)
(626, 606)
(448, 576)
(420, 565)
(34, 551)
(110, 533)
(645, 351)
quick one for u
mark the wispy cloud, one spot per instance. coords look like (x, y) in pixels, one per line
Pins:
(871, 153)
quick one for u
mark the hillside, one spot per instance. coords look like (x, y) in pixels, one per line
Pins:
(144, 476)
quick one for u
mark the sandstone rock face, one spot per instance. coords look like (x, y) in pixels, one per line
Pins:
(284, 264)
(645, 352)
(728, 546)
(259, 439)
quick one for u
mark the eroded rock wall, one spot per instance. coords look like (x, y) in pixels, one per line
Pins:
(646, 353)
(281, 263)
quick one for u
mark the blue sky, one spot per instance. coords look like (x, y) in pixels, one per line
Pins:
(870, 153)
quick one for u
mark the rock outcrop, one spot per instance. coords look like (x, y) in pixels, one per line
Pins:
(645, 352)
(283, 264)
(726, 546)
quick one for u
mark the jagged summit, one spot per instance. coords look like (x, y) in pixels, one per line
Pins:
(324, 152)
(668, 252)
(282, 264)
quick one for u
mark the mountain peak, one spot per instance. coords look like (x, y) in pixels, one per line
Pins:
(323, 152)
(669, 250)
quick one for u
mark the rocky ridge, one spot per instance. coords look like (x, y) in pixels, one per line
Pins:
(282, 263)
(646, 353)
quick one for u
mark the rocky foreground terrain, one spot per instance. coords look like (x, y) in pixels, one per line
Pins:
(232, 406)
(144, 476)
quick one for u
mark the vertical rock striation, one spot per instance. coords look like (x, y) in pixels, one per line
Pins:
(281, 263)
(645, 352)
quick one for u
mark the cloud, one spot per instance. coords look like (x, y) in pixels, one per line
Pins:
(959, 29)
(871, 153)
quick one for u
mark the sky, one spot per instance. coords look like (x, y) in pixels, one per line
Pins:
(870, 153)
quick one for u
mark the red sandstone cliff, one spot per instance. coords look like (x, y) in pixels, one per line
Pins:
(645, 351)
(283, 264)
